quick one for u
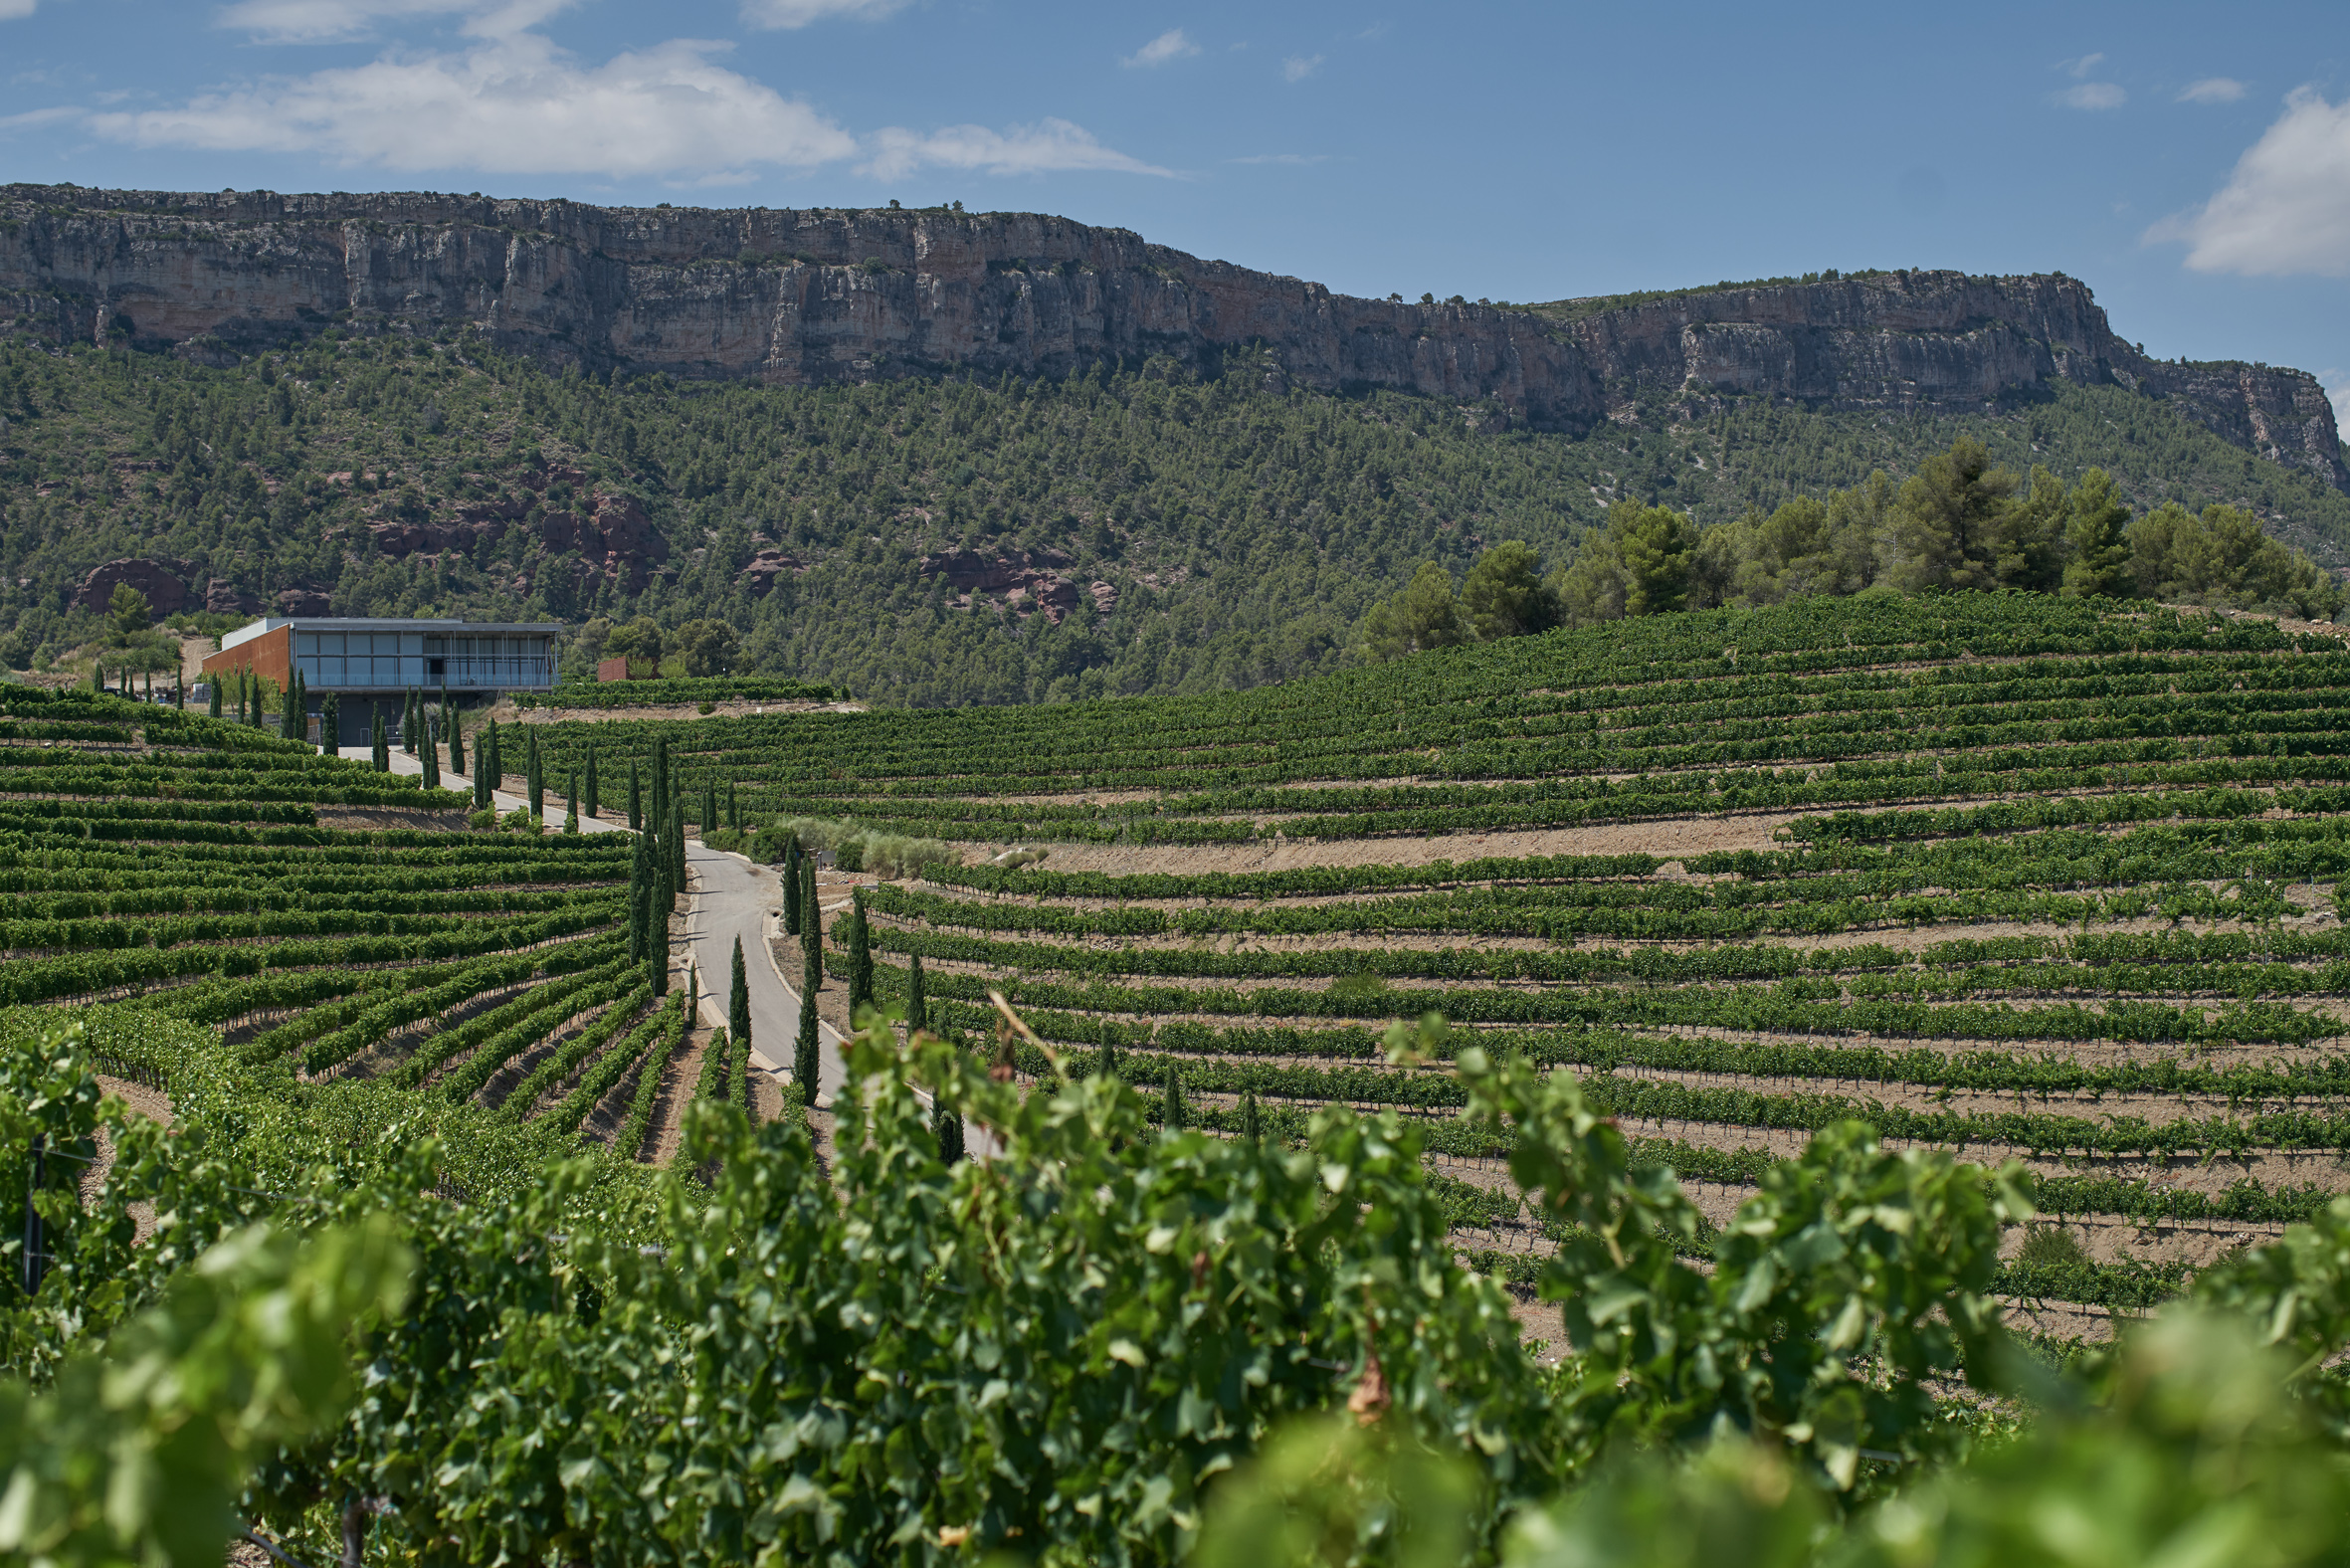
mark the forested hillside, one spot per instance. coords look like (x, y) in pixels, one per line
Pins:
(917, 541)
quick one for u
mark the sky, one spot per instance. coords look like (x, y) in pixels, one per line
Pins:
(2190, 163)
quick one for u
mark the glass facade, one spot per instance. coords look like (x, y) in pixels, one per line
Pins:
(354, 660)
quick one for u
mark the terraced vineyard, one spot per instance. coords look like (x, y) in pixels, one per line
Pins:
(2022, 876)
(340, 929)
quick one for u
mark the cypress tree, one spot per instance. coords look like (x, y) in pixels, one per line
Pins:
(710, 809)
(1171, 1115)
(432, 764)
(917, 999)
(534, 779)
(807, 1049)
(733, 809)
(382, 746)
(676, 845)
(1251, 1134)
(1106, 1061)
(661, 773)
(692, 993)
(657, 971)
(571, 804)
(456, 746)
(860, 957)
(212, 702)
(739, 1088)
(330, 725)
(811, 917)
(487, 758)
(591, 780)
(636, 801)
(637, 919)
(298, 723)
(739, 999)
(947, 1127)
(791, 886)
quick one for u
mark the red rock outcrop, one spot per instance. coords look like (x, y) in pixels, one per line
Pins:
(163, 583)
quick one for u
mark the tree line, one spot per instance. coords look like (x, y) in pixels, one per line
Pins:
(1962, 523)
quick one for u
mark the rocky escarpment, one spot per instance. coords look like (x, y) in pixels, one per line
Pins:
(801, 297)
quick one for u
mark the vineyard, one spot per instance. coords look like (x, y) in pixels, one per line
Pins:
(2003, 875)
(1917, 968)
(330, 935)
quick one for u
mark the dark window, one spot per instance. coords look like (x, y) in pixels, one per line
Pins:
(435, 667)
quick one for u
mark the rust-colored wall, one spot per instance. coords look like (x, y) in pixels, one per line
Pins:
(611, 669)
(270, 656)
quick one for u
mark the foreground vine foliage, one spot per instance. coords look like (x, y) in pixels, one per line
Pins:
(1057, 1353)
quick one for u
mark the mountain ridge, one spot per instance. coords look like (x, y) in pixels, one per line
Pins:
(815, 296)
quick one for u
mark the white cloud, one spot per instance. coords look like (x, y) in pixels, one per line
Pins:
(10, 10)
(2287, 207)
(513, 105)
(1049, 146)
(799, 13)
(1168, 46)
(331, 21)
(2212, 89)
(37, 116)
(2083, 65)
(1298, 66)
(2094, 94)
(1298, 158)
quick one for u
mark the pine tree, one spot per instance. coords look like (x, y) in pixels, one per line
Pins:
(807, 1053)
(860, 957)
(917, 999)
(636, 801)
(382, 754)
(738, 998)
(2097, 533)
(592, 801)
(791, 886)
(1171, 1112)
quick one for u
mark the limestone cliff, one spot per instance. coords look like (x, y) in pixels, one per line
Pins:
(801, 298)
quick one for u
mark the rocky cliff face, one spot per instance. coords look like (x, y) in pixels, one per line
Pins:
(801, 297)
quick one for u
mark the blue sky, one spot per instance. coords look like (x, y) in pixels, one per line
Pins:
(2191, 162)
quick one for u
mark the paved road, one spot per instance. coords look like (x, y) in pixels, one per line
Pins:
(729, 898)
(736, 898)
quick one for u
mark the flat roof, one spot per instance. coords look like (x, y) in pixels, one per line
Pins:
(323, 623)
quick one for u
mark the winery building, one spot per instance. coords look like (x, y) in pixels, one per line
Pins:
(370, 664)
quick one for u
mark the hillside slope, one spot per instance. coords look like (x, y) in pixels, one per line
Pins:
(2022, 876)
(804, 297)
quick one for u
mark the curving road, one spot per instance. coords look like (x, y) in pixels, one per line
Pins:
(727, 897)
